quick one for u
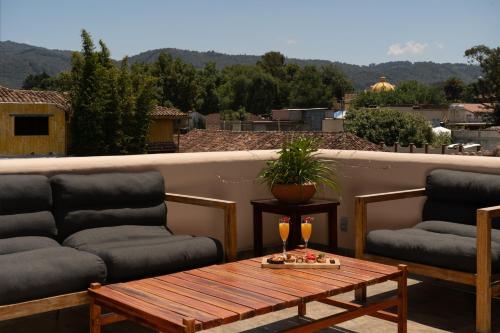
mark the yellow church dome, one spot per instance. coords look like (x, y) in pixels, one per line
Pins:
(382, 85)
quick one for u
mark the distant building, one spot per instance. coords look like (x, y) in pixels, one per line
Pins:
(165, 123)
(466, 113)
(382, 85)
(310, 119)
(33, 122)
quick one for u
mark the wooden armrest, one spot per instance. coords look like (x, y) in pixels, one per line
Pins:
(491, 212)
(230, 224)
(484, 218)
(378, 197)
(361, 202)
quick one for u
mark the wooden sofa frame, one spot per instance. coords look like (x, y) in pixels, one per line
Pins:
(486, 284)
(11, 311)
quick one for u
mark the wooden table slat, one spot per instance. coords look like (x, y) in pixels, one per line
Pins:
(242, 310)
(242, 283)
(206, 319)
(257, 305)
(227, 292)
(225, 315)
(267, 278)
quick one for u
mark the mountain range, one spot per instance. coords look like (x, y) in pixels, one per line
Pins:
(18, 60)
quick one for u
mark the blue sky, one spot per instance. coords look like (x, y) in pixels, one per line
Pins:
(358, 32)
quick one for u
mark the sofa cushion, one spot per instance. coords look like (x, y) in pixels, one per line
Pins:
(455, 196)
(25, 204)
(24, 194)
(20, 244)
(132, 252)
(28, 224)
(47, 272)
(458, 229)
(107, 199)
(444, 249)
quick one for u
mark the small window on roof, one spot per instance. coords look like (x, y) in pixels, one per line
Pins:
(31, 125)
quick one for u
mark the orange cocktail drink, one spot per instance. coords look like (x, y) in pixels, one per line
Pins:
(284, 228)
(306, 228)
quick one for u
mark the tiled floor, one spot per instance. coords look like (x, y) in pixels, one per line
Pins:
(434, 306)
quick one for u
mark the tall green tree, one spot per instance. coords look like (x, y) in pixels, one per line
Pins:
(209, 81)
(111, 106)
(454, 89)
(488, 86)
(308, 90)
(87, 136)
(177, 82)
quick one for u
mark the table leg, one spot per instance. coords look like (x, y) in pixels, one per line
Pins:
(95, 318)
(403, 299)
(332, 229)
(257, 232)
(302, 309)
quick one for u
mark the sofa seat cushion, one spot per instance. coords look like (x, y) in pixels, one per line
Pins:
(21, 244)
(434, 243)
(47, 272)
(458, 229)
(132, 252)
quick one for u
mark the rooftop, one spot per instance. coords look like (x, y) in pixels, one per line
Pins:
(8, 95)
(163, 112)
(473, 107)
(216, 140)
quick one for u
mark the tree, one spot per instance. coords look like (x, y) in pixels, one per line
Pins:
(454, 89)
(336, 83)
(87, 135)
(177, 84)
(307, 89)
(273, 63)
(209, 80)
(111, 106)
(487, 86)
(389, 126)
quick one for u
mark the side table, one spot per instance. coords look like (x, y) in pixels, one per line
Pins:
(295, 212)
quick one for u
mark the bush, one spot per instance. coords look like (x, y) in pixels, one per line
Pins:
(441, 139)
(389, 126)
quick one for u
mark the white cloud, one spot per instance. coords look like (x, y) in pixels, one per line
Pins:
(291, 42)
(410, 47)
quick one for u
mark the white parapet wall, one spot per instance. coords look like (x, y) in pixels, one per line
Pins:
(232, 176)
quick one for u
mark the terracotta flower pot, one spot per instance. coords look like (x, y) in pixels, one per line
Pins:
(293, 193)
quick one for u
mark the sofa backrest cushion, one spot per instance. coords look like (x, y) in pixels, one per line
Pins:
(107, 199)
(455, 196)
(25, 206)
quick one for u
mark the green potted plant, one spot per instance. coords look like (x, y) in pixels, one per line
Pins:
(295, 175)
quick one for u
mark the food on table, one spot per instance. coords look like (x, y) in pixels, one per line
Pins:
(310, 258)
(276, 259)
(290, 258)
(300, 260)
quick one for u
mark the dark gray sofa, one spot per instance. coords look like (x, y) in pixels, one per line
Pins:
(58, 235)
(458, 239)
(447, 237)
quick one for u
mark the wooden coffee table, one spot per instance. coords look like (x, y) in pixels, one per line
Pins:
(207, 297)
